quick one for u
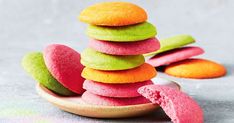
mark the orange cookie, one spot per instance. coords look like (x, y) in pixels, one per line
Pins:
(139, 74)
(196, 68)
(113, 14)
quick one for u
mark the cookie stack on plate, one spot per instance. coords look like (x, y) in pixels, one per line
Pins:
(114, 65)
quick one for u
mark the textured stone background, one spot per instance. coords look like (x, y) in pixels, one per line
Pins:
(30, 25)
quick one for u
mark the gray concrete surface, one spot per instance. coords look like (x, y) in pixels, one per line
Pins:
(30, 25)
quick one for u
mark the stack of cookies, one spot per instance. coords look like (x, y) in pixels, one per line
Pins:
(114, 65)
(177, 59)
(174, 49)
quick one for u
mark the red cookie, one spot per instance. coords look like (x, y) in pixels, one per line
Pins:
(177, 105)
(94, 99)
(64, 64)
(114, 90)
(125, 48)
(175, 55)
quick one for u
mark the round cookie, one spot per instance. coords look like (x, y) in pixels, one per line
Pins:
(100, 61)
(173, 43)
(139, 74)
(113, 14)
(114, 90)
(94, 99)
(196, 68)
(34, 64)
(175, 55)
(64, 64)
(125, 48)
(177, 105)
(130, 33)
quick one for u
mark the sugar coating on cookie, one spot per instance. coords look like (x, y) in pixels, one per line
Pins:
(34, 64)
(139, 74)
(64, 64)
(94, 99)
(113, 14)
(101, 61)
(177, 105)
(173, 43)
(196, 68)
(175, 55)
(125, 48)
(114, 90)
(130, 33)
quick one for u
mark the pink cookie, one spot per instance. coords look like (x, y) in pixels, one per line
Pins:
(64, 64)
(174, 56)
(177, 105)
(125, 48)
(94, 99)
(114, 90)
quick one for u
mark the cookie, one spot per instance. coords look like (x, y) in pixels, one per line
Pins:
(196, 68)
(175, 55)
(177, 105)
(94, 99)
(139, 74)
(113, 14)
(130, 33)
(64, 64)
(100, 61)
(33, 63)
(125, 48)
(173, 43)
(114, 90)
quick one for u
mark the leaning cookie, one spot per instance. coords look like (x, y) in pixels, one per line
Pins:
(173, 43)
(130, 33)
(34, 64)
(177, 105)
(125, 48)
(94, 99)
(138, 74)
(64, 64)
(175, 55)
(196, 68)
(101, 61)
(113, 14)
(114, 90)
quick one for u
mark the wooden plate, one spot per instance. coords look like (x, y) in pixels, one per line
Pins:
(76, 105)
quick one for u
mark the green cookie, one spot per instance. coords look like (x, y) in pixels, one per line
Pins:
(122, 34)
(34, 64)
(173, 43)
(100, 61)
